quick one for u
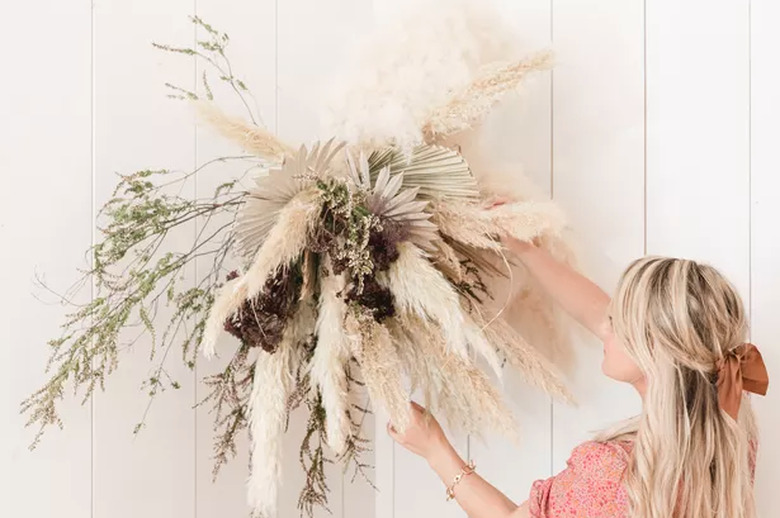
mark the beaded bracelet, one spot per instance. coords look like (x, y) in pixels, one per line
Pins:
(467, 470)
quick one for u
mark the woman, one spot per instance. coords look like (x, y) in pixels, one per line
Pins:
(676, 331)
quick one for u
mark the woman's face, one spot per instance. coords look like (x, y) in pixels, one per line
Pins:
(617, 364)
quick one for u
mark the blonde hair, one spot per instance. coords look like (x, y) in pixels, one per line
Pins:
(690, 459)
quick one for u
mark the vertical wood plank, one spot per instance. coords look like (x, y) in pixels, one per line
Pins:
(251, 26)
(45, 226)
(598, 178)
(765, 245)
(137, 127)
(384, 446)
(698, 134)
(518, 136)
(312, 39)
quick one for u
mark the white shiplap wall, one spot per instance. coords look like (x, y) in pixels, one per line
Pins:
(656, 132)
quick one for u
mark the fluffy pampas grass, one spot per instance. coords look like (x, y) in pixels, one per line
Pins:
(328, 365)
(421, 289)
(254, 139)
(230, 295)
(469, 106)
(286, 240)
(478, 227)
(452, 385)
(531, 364)
(273, 383)
(413, 62)
(373, 347)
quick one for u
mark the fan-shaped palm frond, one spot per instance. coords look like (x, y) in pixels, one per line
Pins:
(439, 172)
(387, 200)
(275, 190)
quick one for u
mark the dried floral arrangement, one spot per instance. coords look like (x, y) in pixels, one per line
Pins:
(365, 267)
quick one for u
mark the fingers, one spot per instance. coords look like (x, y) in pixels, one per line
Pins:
(498, 201)
(391, 431)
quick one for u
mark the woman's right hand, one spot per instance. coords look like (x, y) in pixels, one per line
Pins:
(513, 244)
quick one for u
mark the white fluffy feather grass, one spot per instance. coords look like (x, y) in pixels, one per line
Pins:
(414, 62)
(254, 139)
(418, 287)
(273, 383)
(328, 365)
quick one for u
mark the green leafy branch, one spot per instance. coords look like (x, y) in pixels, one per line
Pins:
(131, 277)
(213, 51)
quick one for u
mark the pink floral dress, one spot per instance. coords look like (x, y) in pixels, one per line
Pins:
(591, 485)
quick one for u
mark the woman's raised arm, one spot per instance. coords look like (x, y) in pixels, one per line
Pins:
(575, 293)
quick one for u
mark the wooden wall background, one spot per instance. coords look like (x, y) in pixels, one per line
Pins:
(656, 132)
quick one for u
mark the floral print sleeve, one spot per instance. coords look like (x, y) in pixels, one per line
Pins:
(590, 486)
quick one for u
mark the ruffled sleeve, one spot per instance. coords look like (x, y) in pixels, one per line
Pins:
(591, 484)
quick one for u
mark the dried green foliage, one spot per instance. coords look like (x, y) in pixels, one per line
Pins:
(346, 230)
(313, 455)
(229, 399)
(131, 279)
(313, 460)
(212, 50)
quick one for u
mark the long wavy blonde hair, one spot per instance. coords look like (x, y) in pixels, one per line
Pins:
(690, 459)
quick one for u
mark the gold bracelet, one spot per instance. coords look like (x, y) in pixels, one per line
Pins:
(467, 470)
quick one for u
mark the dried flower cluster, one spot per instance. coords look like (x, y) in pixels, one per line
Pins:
(391, 250)
(364, 270)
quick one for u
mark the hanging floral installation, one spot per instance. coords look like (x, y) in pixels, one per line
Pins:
(364, 264)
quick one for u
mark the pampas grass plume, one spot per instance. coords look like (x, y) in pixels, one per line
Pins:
(254, 139)
(273, 383)
(328, 366)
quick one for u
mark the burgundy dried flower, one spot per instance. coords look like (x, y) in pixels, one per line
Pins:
(375, 297)
(384, 244)
(261, 321)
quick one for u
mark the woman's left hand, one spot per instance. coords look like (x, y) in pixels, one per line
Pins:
(424, 435)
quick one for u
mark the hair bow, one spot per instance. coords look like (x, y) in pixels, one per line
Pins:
(740, 369)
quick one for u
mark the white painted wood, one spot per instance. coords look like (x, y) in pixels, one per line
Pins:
(765, 249)
(711, 175)
(45, 227)
(517, 137)
(137, 127)
(698, 134)
(251, 26)
(598, 170)
(312, 39)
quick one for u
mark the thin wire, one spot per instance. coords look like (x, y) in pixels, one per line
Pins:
(509, 293)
